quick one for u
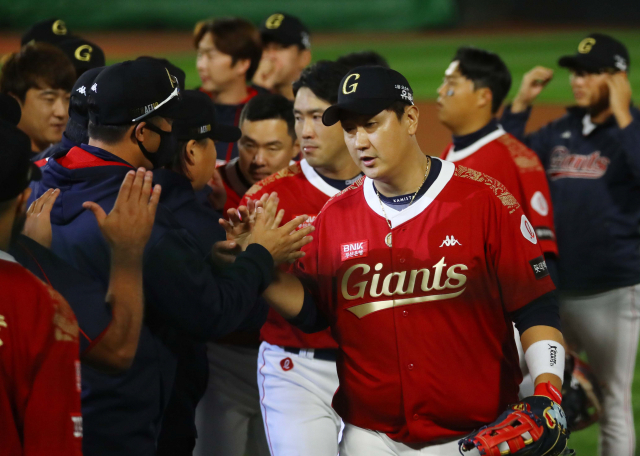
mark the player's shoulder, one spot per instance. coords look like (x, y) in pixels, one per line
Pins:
(279, 179)
(475, 183)
(523, 158)
(346, 195)
(15, 277)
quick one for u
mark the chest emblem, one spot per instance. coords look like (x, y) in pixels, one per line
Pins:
(450, 241)
(358, 249)
(564, 164)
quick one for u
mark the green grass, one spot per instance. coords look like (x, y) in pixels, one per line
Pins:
(422, 60)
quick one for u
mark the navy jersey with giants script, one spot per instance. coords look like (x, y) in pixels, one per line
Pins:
(426, 344)
(594, 179)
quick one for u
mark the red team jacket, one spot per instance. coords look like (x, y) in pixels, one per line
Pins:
(506, 159)
(427, 351)
(301, 192)
(39, 368)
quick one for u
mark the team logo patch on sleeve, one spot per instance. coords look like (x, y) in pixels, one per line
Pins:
(527, 230)
(539, 267)
(357, 249)
(539, 204)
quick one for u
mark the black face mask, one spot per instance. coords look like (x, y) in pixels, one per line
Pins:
(166, 150)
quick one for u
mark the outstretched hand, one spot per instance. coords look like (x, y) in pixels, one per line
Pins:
(128, 226)
(240, 223)
(532, 84)
(38, 223)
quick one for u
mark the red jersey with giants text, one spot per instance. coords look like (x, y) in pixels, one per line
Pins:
(421, 312)
(301, 192)
(39, 368)
(503, 157)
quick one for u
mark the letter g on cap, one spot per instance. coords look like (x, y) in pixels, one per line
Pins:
(83, 53)
(352, 87)
(585, 45)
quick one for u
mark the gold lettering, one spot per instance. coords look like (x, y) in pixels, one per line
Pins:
(399, 286)
(83, 53)
(363, 310)
(585, 45)
(3, 324)
(425, 280)
(374, 282)
(360, 286)
(452, 275)
(59, 27)
(352, 87)
(438, 274)
(274, 21)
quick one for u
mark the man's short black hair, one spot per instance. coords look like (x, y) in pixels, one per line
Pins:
(113, 134)
(270, 106)
(323, 79)
(485, 69)
(362, 58)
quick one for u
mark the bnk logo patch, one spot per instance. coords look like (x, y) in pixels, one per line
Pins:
(356, 249)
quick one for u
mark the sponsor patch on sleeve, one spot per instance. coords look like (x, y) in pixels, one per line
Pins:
(357, 249)
(539, 267)
(545, 233)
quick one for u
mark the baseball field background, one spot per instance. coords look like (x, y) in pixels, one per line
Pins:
(422, 57)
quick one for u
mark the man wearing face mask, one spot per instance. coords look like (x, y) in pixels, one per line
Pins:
(131, 108)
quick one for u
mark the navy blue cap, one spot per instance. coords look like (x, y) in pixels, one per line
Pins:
(285, 29)
(598, 53)
(52, 31)
(84, 54)
(17, 170)
(202, 120)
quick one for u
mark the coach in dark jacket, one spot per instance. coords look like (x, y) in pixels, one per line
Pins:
(592, 160)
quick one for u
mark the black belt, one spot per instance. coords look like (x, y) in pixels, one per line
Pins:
(325, 354)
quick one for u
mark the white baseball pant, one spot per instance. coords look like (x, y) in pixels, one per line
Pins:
(606, 326)
(296, 391)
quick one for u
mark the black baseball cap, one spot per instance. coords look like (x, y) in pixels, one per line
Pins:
(79, 100)
(84, 54)
(368, 90)
(174, 70)
(52, 31)
(598, 53)
(285, 29)
(131, 91)
(9, 109)
(17, 170)
(202, 120)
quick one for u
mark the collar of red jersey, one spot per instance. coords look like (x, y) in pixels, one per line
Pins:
(396, 217)
(454, 156)
(315, 180)
(6, 257)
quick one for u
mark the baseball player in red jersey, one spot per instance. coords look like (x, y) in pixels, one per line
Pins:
(265, 147)
(474, 87)
(297, 371)
(426, 351)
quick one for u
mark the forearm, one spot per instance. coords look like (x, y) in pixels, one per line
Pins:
(629, 137)
(118, 345)
(552, 355)
(285, 295)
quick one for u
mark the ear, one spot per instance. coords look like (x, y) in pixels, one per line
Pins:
(411, 115)
(484, 97)
(191, 147)
(139, 131)
(242, 66)
(304, 59)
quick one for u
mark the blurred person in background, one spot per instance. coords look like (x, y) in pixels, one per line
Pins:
(592, 159)
(362, 58)
(40, 77)
(229, 51)
(287, 51)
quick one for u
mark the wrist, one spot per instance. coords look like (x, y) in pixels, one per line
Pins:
(127, 258)
(520, 105)
(623, 118)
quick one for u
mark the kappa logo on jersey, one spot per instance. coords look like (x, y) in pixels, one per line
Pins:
(450, 241)
(394, 284)
(564, 164)
(527, 230)
(358, 249)
(286, 364)
(82, 90)
(539, 204)
(539, 267)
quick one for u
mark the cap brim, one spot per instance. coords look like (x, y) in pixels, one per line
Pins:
(578, 62)
(371, 106)
(225, 133)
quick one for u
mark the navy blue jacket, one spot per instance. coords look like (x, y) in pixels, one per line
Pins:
(56, 149)
(594, 179)
(122, 413)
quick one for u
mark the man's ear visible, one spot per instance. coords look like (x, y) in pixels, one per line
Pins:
(412, 114)
(191, 148)
(305, 58)
(139, 131)
(484, 97)
(242, 66)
